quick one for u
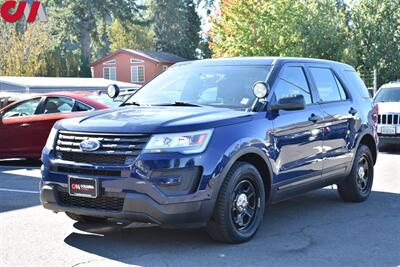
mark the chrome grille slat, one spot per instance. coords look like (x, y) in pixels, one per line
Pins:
(115, 140)
(104, 152)
(121, 149)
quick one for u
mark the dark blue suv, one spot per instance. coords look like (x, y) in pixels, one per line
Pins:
(211, 142)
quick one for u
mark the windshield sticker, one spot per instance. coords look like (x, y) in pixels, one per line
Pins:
(244, 101)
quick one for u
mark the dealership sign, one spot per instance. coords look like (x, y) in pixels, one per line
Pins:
(12, 11)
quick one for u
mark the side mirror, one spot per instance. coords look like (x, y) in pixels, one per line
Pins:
(292, 102)
(261, 90)
(113, 91)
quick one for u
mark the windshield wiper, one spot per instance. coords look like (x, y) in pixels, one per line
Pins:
(130, 104)
(179, 104)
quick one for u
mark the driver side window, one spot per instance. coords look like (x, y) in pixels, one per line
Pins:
(26, 108)
(292, 81)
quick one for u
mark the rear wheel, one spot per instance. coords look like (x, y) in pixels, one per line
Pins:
(240, 205)
(84, 218)
(357, 186)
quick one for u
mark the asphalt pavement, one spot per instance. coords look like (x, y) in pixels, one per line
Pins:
(315, 229)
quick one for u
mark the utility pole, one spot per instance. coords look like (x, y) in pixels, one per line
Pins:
(375, 80)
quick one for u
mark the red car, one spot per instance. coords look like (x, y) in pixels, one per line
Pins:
(25, 124)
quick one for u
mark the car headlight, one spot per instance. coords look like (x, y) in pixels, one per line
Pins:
(186, 143)
(51, 139)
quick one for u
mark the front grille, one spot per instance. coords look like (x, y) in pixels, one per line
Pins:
(88, 172)
(389, 119)
(115, 149)
(99, 203)
(93, 158)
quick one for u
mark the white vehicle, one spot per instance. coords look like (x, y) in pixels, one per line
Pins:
(388, 102)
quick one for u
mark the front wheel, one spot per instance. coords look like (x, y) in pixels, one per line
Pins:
(240, 205)
(358, 185)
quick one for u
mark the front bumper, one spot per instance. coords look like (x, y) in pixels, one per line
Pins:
(136, 207)
(385, 140)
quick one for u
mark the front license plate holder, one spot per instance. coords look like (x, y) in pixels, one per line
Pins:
(83, 187)
(391, 130)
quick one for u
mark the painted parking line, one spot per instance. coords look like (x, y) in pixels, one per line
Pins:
(19, 191)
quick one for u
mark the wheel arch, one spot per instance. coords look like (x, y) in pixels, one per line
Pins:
(258, 159)
(368, 140)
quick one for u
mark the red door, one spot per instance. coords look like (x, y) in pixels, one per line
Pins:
(25, 126)
(17, 136)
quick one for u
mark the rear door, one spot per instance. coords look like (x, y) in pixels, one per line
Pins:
(297, 134)
(340, 119)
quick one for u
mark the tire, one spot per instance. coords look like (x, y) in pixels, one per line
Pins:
(357, 186)
(231, 221)
(84, 218)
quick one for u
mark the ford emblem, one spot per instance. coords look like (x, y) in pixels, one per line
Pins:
(89, 145)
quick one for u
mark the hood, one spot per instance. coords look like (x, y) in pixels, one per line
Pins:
(388, 107)
(154, 119)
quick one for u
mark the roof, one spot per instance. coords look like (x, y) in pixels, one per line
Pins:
(392, 85)
(163, 56)
(9, 83)
(263, 61)
(157, 56)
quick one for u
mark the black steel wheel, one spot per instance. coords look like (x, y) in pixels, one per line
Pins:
(358, 185)
(239, 208)
(244, 204)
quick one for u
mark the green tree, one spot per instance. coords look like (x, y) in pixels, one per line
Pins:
(280, 28)
(176, 27)
(83, 24)
(131, 36)
(24, 53)
(375, 30)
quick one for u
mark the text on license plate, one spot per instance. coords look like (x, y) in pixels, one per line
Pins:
(82, 187)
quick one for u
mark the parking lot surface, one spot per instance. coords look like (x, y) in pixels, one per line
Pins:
(315, 229)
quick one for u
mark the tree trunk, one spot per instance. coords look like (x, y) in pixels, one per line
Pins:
(85, 41)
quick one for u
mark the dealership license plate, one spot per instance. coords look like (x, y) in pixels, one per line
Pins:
(388, 130)
(83, 187)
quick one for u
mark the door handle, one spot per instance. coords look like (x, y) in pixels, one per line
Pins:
(314, 118)
(25, 124)
(353, 111)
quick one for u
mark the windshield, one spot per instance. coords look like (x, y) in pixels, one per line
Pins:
(218, 86)
(388, 95)
(104, 99)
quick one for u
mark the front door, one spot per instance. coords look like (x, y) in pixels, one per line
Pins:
(17, 136)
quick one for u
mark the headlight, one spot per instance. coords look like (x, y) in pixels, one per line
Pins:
(51, 139)
(186, 143)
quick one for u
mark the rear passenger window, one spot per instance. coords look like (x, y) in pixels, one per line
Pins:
(292, 81)
(79, 106)
(328, 86)
(58, 105)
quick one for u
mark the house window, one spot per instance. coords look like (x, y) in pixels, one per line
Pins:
(135, 60)
(137, 73)
(110, 62)
(164, 67)
(110, 73)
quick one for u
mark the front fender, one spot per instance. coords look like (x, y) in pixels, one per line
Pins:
(233, 153)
